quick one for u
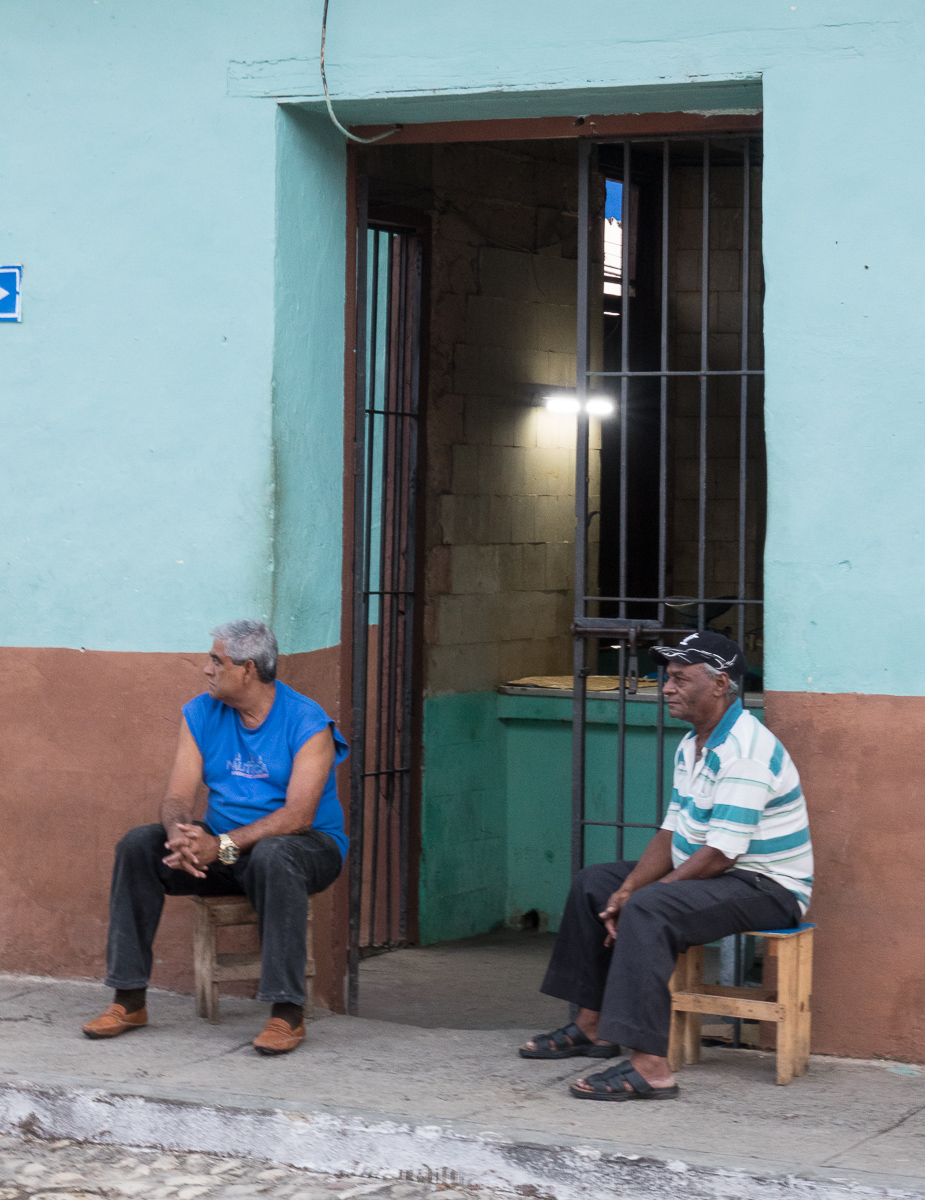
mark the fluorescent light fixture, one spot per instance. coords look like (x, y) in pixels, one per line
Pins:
(567, 403)
(562, 404)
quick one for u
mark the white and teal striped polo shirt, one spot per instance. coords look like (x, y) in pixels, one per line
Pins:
(743, 797)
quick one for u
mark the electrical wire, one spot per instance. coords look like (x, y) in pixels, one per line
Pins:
(327, 98)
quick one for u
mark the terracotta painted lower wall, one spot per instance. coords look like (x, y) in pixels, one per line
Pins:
(860, 759)
(86, 743)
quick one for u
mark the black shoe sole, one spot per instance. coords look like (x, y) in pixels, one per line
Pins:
(572, 1052)
(671, 1093)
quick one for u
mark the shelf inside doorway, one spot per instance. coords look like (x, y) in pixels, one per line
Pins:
(751, 699)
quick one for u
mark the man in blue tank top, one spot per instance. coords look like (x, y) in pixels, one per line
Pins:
(273, 831)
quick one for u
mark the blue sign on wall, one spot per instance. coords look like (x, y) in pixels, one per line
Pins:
(10, 279)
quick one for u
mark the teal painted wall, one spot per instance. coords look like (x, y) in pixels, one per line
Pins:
(136, 397)
(843, 118)
(308, 378)
(496, 813)
(139, 181)
(845, 408)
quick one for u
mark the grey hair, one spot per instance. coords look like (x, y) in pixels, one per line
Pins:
(735, 688)
(246, 639)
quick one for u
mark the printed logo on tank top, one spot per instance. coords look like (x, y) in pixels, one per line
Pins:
(253, 769)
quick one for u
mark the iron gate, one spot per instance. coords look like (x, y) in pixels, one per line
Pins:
(680, 375)
(385, 485)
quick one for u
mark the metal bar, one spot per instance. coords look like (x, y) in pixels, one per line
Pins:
(395, 539)
(730, 135)
(672, 374)
(410, 527)
(393, 710)
(704, 363)
(621, 754)
(738, 981)
(373, 354)
(662, 480)
(398, 783)
(730, 601)
(592, 631)
(614, 627)
(373, 384)
(384, 614)
(743, 394)
(625, 287)
(621, 824)
(360, 613)
(579, 714)
(375, 457)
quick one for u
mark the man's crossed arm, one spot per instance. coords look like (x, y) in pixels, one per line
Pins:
(192, 849)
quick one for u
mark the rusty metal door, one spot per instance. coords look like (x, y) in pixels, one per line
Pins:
(389, 263)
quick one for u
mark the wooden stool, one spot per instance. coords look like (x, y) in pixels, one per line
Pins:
(211, 968)
(788, 1007)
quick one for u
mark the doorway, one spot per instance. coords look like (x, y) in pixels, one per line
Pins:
(490, 769)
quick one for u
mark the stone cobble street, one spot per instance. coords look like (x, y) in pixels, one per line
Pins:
(33, 1169)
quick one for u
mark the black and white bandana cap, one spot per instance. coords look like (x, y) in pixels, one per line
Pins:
(704, 646)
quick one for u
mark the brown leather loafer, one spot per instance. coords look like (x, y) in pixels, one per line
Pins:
(115, 1020)
(278, 1037)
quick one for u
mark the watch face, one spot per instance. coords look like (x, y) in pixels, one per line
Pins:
(228, 855)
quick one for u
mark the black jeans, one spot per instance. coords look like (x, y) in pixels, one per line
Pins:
(628, 984)
(277, 875)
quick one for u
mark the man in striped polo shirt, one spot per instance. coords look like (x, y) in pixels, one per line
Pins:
(733, 854)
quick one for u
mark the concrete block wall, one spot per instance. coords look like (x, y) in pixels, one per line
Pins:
(500, 481)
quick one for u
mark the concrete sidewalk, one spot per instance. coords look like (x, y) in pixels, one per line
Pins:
(365, 1097)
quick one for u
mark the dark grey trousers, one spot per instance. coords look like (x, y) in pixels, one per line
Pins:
(628, 984)
(277, 875)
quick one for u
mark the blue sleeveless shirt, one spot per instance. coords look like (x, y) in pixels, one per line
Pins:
(247, 771)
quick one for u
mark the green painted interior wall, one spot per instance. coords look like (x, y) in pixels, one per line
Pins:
(463, 822)
(496, 813)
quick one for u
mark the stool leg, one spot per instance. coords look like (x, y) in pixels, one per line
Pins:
(787, 997)
(804, 1000)
(203, 961)
(677, 983)
(309, 967)
(692, 1036)
(212, 1012)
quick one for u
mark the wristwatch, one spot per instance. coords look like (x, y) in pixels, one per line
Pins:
(228, 852)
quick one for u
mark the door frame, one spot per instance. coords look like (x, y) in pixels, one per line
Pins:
(581, 129)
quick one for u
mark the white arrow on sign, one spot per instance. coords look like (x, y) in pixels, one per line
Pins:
(3, 293)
